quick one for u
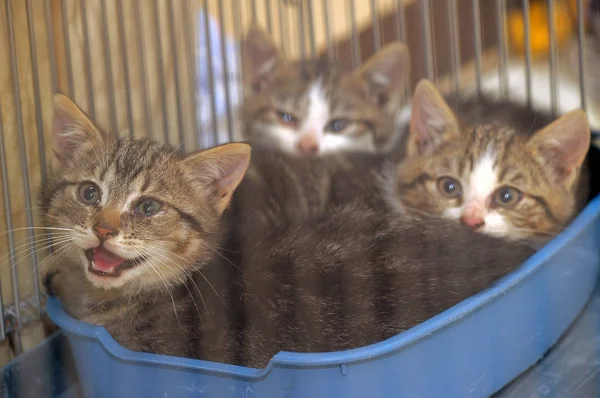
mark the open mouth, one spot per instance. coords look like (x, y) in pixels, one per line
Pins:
(104, 263)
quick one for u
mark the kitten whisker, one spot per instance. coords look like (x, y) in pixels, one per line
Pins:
(29, 246)
(165, 283)
(190, 277)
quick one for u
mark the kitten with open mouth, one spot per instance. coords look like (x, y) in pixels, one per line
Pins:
(137, 230)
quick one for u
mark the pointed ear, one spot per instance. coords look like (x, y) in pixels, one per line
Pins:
(431, 120)
(260, 57)
(71, 129)
(386, 74)
(219, 170)
(561, 147)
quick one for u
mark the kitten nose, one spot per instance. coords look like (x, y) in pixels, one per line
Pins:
(308, 144)
(103, 232)
(474, 222)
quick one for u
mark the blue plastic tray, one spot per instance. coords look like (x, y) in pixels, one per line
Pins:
(471, 350)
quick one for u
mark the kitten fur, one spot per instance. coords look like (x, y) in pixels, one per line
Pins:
(152, 276)
(357, 276)
(494, 165)
(316, 107)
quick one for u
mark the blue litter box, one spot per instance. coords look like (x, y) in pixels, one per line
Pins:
(471, 350)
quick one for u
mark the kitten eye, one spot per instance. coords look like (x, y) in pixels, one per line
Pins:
(287, 118)
(148, 207)
(507, 196)
(337, 125)
(89, 193)
(449, 187)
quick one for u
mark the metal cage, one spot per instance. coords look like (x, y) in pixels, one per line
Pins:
(170, 70)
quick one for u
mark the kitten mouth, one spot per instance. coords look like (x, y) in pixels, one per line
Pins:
(104, 263)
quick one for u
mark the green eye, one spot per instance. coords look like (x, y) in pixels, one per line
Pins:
(449, 187)
(507, 196)
(148, 207)
(89, 193)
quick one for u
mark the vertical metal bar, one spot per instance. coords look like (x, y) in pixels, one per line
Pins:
(23, 154)
(301, 37)
(282, 31)
(125, 66)
(553, 61)
(375, 26)
(426, 16)
(36, 91)
(39, 122)
(161, 73)
(176, 73)
(67, 43)
(527, 40)
(191, 64)
(142, 56)
(400, 20)
(9, 227)
(311, 28)
(454, 45)
(477, 33)
(225, 58)
(211, 80)
(50, 45)
(330, 49)
(87, 60)
(502, 46)
(269, 16)
(581, 55)
(142, 59)
(356, 58)
(108, 66)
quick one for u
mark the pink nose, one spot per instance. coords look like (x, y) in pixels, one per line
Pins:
(472, 221)
(308, 144)
(474, 215)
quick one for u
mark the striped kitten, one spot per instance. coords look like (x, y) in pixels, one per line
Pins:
(138, 228)
(495, 166)
(317, 108)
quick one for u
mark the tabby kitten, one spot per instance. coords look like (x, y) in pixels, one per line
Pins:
(316, 108)
(497, 167)
(138, 229)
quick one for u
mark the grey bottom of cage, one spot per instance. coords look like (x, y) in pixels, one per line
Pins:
(570, 369)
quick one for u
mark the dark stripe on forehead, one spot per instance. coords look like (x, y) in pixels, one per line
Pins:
(59, 186)
(191, 220)
(420, 179)
(542, 202)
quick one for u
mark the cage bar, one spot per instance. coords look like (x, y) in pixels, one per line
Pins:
(87, 60)
(211, 80)
(553, 60)
(108, 66)
(142, 58)
(527, 41)
(178, 101)
(125, 66)
(581, 52)
(225, 58)
(454, 45)
(427, 40)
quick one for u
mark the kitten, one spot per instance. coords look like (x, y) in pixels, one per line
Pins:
(316, 108)
(357, 276)
(138, 230)
(495, 166)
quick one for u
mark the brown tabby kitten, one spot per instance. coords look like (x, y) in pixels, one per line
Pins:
(138, 229)
(498, 167)
(316, 108)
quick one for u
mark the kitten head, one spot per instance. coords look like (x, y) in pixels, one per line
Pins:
(491, 177)
(317, 108)
(133, 212)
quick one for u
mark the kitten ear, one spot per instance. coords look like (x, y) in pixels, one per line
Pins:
(219, 170)
(561, 147)
(260, 56)
(431, 120)
(71, 128)
(387, 74)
